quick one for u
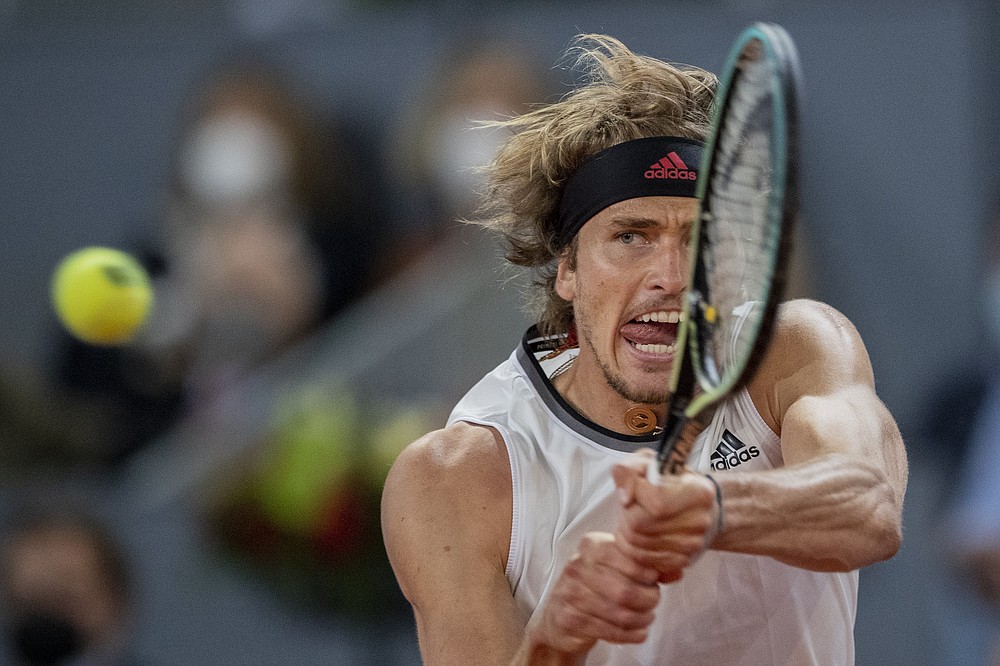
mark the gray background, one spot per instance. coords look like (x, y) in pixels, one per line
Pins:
(899, 166)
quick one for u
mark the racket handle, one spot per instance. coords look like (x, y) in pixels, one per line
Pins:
(673, 454)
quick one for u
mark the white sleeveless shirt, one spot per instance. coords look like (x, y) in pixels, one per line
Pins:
(728, 608)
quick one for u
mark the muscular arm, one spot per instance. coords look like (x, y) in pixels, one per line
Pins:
(446, 518)
(837, 503)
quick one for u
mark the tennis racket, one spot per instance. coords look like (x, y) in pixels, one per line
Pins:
(747, 193)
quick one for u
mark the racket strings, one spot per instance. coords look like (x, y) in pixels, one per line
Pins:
(742, 233)
(739, 246)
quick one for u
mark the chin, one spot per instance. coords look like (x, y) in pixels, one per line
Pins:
(647, 393)
(658, 396)
(650, 386)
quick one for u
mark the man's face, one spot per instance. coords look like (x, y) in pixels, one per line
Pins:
(626, 288)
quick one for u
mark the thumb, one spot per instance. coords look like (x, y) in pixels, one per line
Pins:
(631, 471)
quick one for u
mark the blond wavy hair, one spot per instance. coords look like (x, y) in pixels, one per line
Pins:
(623, 96)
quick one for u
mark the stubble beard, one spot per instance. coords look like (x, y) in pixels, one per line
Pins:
(617, 381)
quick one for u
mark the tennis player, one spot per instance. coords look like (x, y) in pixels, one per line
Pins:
(526, 532)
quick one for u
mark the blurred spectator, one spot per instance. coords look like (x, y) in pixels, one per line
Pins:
(301, 509)
(66, 590)
(975, 521)
(959, 407)
(439, 147)
(271, 226)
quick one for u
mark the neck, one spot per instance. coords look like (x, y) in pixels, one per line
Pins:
(588, 392)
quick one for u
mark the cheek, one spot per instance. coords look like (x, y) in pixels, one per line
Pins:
(603, 284)
(597, 301)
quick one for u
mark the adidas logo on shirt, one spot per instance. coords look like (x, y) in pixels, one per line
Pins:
(731, 452)
(671, 166)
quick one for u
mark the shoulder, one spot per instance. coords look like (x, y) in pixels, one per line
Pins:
(451, 459)
(449, 491)
(812, 333)
(446, 521)
(814, 349)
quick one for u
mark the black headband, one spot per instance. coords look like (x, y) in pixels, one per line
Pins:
(655, 166)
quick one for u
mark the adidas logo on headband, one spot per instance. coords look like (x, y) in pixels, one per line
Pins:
(671, 166)
(614, 174)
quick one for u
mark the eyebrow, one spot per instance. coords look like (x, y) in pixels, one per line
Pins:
(633, 222)
(640, 222)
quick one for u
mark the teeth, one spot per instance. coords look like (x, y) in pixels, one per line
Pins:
(657, 349)
(662, 316)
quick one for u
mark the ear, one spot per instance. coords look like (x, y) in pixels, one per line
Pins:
(566, 278)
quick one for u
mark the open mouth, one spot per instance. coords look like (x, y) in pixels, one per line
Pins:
(653, 332)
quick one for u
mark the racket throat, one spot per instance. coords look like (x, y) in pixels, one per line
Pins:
(672, 458)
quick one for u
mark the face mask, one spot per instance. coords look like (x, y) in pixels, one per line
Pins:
(991, 305)
(234, 159)
(40, 639)
(460, 149)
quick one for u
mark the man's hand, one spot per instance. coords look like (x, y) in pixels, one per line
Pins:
(666, 525)
(602, 594)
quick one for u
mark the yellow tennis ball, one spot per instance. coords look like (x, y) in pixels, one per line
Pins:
(101, 295)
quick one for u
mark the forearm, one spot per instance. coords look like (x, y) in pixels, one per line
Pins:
(832, 513)
(535, 652)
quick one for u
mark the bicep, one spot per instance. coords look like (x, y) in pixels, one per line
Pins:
(475, 624)
(825, 396)
(851, 423)
(446, 532)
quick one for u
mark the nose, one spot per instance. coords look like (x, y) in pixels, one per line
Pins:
(668, 268)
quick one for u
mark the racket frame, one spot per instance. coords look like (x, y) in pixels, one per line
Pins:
(691, 389)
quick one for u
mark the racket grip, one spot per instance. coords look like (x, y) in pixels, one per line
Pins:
(673, 454)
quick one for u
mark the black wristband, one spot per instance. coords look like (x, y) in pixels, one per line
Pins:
(718, 499)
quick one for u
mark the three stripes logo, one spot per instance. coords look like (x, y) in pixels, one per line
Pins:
(731, 452)
(671, 166)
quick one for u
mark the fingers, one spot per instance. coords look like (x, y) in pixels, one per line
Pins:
(670, 494)
(681, 504)
(664, 525)
(601, 595)
(627, 472)
(609, 590)
(603, 550)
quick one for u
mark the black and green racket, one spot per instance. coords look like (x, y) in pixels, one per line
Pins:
(747, 192)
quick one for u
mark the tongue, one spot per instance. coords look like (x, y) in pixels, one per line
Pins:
(649, 333)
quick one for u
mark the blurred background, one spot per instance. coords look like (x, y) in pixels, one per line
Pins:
(290, 172)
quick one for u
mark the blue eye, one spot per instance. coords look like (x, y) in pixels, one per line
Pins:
(628, 237)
